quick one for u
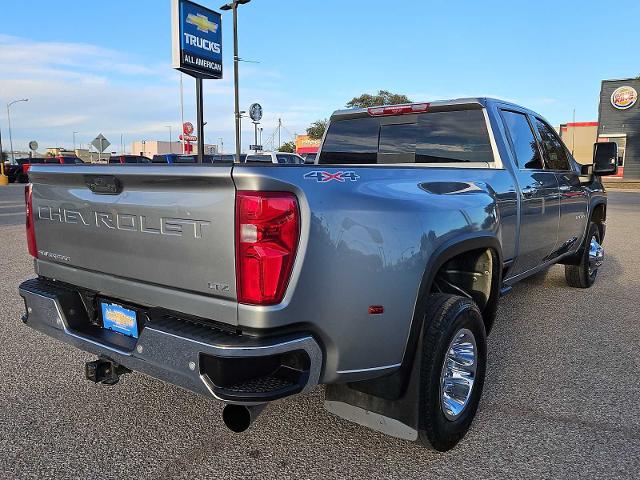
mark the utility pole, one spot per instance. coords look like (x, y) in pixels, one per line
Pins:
(279, 127)
(221, 145)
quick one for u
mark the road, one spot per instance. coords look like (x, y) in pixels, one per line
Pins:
(561, 398)
(12, 204)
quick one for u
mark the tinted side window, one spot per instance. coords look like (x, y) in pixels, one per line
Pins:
(555, 153)
(524, 142)
(351, 141)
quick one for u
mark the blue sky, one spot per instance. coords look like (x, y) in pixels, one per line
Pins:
(105, 67)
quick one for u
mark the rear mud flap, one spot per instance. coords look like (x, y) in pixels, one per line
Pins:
(398, 418)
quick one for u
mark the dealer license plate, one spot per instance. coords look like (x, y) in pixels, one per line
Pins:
(119, 319)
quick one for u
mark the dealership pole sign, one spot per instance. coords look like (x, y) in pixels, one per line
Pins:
(197, 40)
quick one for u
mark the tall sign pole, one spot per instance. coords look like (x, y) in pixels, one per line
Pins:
(200, 118)
(236, 83)
(234, 6)
(197, 50)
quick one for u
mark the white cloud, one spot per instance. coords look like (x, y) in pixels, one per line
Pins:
(89, 89)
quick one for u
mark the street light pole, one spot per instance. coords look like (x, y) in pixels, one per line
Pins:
(13, 159)
(74, 141)
(234, 6)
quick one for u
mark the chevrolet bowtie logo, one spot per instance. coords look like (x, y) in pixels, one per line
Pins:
(202, 23)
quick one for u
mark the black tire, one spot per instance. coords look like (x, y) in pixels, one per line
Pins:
(580, 276)
(445, 317)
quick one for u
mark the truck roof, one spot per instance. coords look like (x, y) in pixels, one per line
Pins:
(469, 103)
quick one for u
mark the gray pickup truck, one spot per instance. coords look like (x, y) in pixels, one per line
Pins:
(376, 271)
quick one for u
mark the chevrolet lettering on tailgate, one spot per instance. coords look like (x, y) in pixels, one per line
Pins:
(127, 222)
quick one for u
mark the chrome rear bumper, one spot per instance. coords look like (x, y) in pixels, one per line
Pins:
(191, 355)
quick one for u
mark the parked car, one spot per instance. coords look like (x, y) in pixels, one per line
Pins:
(171, 158)
(377, 273)
(23, 165)
(228, 157)
(123, 159)
(309, 158)
(276, 157)
(14, 170)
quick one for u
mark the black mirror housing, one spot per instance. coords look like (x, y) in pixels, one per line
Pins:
(605, 158)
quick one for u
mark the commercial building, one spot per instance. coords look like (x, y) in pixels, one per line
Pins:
(619, 121)
(149, 148)
(579, 138)
(306, 144)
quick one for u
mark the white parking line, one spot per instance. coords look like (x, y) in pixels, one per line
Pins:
(17, 205)
(11, 214)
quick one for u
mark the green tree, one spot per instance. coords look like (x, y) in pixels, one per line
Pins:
(288, 147)
(316, 129)
(383, 97)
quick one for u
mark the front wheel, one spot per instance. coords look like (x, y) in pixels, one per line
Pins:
(584, 274)
(454, 360)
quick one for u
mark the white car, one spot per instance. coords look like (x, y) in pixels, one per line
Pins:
(276, 157)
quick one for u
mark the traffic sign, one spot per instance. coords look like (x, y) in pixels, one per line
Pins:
(100, 143)
(255, 112)
(33, 145)
(255, 147)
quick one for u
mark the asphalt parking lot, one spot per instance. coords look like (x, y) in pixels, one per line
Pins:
(12, 204)
(561, 398)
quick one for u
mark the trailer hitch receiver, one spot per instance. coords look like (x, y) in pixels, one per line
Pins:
(104, 371)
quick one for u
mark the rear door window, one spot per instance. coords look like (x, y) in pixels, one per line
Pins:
(438, 137)
(523, 140)
(554, 150)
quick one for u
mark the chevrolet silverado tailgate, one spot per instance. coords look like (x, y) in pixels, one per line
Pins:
(166, 226)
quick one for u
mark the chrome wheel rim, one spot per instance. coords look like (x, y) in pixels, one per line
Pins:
(458, 374)
(596, 255)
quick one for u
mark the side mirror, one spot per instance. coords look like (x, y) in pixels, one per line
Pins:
(605, 158)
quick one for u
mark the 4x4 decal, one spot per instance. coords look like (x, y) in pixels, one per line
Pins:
(324, 177)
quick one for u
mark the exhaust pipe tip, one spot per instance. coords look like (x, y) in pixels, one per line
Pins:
(238, 418)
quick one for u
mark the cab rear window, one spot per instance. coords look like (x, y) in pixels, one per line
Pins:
(438, 137)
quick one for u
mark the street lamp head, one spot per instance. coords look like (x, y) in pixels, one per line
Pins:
(235, 3)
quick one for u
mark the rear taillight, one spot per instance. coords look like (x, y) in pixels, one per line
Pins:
(25, 168)
(398, 109)
(267, 234)
(31, 234)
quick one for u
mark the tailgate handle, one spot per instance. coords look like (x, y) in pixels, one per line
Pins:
(103, 184)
